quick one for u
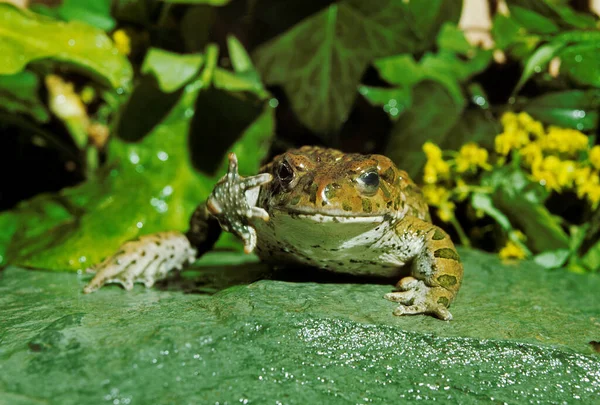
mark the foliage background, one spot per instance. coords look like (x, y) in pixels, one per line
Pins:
(116, 116)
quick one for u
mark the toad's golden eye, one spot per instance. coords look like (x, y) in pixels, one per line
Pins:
(368, 183)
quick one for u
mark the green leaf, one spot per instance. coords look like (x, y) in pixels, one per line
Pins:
(581, 63)
(226, 80)
(433, 113)
(505, 30)
(75, 43)
(451, 38)
(93, 12)
(208, 2)
(532, 21)
(240, 60)
(474, 125)
(591, 259)
(552, 259)
(577, 234)
(562, 15)
(484, 202)
(170, 69)
(577, 109)
(319, 62)
(400, 70)
(246, 77)
(522, 202)
(444, 67)
(538, 61)
(394, 101)
(170, 170)
(19, 94)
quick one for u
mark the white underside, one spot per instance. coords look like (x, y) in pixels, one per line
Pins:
(364, 245)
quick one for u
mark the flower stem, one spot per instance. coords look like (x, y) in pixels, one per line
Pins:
(464, 240)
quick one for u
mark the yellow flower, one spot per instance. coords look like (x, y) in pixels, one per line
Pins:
(446, 211)
(594, 156)
(590, 188)
(547, 172)
(470, 157)
(512, 122)
(532, 153)
(509, 121)
(435, 168)
(582, 176)
(432, 151)
(122, 42)
(510, 140)
(435, 195)
(564, 140)
(566, 174)
(438, 196)
(512, 251)
(593, 195)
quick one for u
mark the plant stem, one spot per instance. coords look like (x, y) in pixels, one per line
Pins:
(464, 239)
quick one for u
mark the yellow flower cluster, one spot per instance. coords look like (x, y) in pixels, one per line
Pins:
(512, 251)
(122, 42)
(518, 130)
(436, 168)
(439, 197)
(470, 157)
(560, 159)
(563, 140)
(594, 157)
(551, 155)
(437, 176)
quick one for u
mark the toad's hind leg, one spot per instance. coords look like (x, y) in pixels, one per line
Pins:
(152, 257)
(436, 271)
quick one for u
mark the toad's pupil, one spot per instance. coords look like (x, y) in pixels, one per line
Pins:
(285, 174)
(370, 179)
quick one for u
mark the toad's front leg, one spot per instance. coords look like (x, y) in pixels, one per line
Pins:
(436, 271)
(152, 257)
(229, 205)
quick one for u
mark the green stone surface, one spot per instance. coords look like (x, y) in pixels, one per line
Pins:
(520, 334)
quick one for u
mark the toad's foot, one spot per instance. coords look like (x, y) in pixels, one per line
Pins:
(415, 297)
(229, 205)
(145, 260)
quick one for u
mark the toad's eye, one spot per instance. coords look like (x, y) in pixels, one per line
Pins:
(368, 183)
(285, 174)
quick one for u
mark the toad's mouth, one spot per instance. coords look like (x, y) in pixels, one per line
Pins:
(333, 216)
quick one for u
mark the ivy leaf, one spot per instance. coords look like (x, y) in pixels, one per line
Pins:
(19, 94)
(74, 42)
(433, 113)
(170, 169)
(577, 109)
(170, 69)
(538, 61)
(94, 12)
(394, 100)
(451, 38)
(319, 62)
(562, 15)
(207, 2)
(532, 21)
(581, 63)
